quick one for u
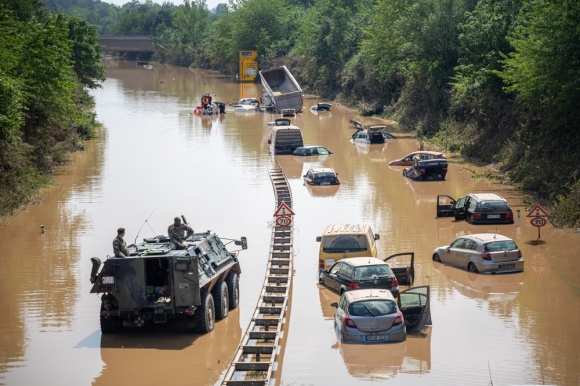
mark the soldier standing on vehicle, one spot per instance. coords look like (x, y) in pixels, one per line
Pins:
(119, 245)
(176, 234)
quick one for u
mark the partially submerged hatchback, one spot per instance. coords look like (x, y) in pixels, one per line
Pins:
(476, 208)
(482, 253)
(321, 176)
(340, 241)
(373, 316)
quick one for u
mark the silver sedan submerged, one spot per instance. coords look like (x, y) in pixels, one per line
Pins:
(373, 316)
(482, 253)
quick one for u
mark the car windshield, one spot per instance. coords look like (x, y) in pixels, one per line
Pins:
(367, 272)
(372, 308)
(493, 205)
(504, 245)
(343, 243)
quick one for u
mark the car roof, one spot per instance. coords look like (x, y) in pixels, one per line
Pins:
(487, 196)
(360, 261)
(308, 147)
(371, 293)
(336, 229)
(322, 170)
(426, 152)
(488, 237)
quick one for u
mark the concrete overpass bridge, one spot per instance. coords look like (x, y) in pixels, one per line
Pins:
(137, 43)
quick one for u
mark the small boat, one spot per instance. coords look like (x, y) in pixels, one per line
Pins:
(321, 107)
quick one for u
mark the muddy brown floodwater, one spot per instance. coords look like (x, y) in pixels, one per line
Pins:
(155, 160)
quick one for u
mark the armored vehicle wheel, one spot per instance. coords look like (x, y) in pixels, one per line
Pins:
(204, 316)
(233, 282)
(110, 325)
(220, 298)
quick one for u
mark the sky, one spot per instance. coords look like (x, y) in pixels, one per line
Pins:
(211, 4)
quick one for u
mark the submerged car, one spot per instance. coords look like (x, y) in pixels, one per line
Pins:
(340, 241)
(374, 134)
(246, 102)
(311, 150)
(321, 176)
(409, 159)
(476, 208)
(482, 253)
(427, 170)
(359, 273)
(373, 315)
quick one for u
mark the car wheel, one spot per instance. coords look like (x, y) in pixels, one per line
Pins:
(220, 298)
(472, 268)
(204, 316)
(233, 282)
(111, 324)
(436, 258)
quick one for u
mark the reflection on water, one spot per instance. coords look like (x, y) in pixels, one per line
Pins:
(155, 155)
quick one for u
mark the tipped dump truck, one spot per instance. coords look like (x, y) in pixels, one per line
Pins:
(281, 91)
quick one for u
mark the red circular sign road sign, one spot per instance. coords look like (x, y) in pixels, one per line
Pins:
(538, 221)
(283, 221)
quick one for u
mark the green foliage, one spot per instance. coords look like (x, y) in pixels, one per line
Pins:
(46, 60)
(98, 13)
(565, 213)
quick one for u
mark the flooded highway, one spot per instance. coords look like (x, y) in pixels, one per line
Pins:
(155, 160)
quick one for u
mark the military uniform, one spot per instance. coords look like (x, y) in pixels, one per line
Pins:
(120, 247)
(176, 237)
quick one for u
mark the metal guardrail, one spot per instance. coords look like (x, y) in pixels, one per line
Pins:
(254, 362)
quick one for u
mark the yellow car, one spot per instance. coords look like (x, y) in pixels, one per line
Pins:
(346, 240)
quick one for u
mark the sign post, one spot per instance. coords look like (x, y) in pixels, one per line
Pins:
(283, 215)
(538, 217)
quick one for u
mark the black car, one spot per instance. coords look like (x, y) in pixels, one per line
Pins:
(369, 272)
(312, 150)
(321, 176)
(476, 208)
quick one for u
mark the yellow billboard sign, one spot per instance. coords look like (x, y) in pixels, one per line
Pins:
(248, 65)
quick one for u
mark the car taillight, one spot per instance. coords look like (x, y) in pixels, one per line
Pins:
(395, 282)
(349, 322)
(444, 170)
(519, 253)
(354, 285)
(509, 215)
(398, 319)
(486, 256)
(422, 171)
(320, 263)
(476, 216)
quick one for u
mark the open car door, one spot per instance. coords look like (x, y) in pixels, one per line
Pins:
(404, 272)
(414, 304)
(445, 205)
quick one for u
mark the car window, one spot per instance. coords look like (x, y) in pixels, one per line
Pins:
(334, 269)
(458, 243)
(309, 174)
(493, 205)
(372, 308)
(300, 151)
(412, 299)
(346, 271)
(470, 244)
(367, 272)
(342, 303)
(343, 243)
(323, 175)
(472, 205)
(504, 245)
(322, 151)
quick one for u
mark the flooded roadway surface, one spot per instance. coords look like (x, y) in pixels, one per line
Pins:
(156, 160)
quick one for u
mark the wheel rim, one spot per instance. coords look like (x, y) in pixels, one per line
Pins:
(471, 267)
(436, 258)
(225, 303)
(210, 318)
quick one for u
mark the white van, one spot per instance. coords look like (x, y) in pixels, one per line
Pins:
(285, 138)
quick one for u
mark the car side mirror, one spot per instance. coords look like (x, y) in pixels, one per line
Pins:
(452, 202)
(243, 242)
(334, 304)
(304, 175)
(318, 238)
(377, 236)
(269, 142)
(447, 249)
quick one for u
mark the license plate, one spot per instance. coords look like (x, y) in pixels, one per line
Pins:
(108, 280)
(507, 266)
(493, 216)
(325, 183)
(375, 337)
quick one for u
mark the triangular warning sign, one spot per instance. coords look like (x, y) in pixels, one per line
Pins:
(538, 211)
(538, 270)
(283, 210)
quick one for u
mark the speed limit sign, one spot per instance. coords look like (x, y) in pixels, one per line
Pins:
(538, 221)
(283, 221)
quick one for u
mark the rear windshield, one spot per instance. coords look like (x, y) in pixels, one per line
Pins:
(340, 244)
(493, 205)
(496, 246)
(367, 272)
(372, 308)
(323, 176)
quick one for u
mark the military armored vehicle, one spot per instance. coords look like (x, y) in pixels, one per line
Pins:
(155, 284)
